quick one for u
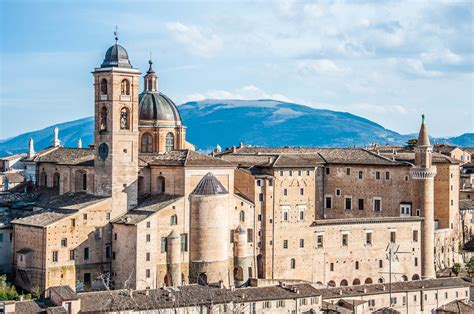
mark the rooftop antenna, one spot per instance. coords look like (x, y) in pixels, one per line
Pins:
(116, 34)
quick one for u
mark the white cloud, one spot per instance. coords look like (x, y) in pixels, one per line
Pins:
(196, 40)
(414, 67)
(443, 56)
(320, 67)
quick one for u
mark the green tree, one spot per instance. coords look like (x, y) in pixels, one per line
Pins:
(456, 268)
(411, 143)
(470, 266)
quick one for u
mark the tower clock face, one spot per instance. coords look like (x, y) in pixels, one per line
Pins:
(103, 151)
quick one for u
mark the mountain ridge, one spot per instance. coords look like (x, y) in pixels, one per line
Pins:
(263, 122)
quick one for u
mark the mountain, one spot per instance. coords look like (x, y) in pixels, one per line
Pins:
(257, 122)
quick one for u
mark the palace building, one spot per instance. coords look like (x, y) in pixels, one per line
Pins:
(141, 209)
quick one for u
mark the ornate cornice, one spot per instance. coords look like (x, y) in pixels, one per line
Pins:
(423, 173)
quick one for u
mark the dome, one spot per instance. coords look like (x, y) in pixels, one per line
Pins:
(116, 56)
(209, 185)
(155, 106)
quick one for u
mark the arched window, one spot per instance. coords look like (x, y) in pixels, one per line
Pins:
(344, 283)
(103, 119)
(103, 87)
(404, 278)
(147, 143)
(125, 118)
(56, 178)
(174, 220)
(293, 263)
(238, 274)
(415, 277)
(169, 142)
(368, 281)
(242, 216)
(202, 279)
(381, 280)
(125, 87)
(356, 282)
(331, 283)
(161, 185)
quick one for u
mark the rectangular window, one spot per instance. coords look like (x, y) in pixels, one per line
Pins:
(259, 217)
(331, 267)
(107, 251)
(380, 263)
(415, 235)
(250, 235)
(348, 171)
(348, 203)
(285, 213)
(393, 236)
(416, 261)
(163, 244)
(377, 205)
(86, 253)
(319, 241)
(148, 238)
(301, 191)
(301, 213)
(85, 216)
(360, 203)
(55, 256)
(290, 173)
(361, 174)
(260, 197)
(308, 172)
(72, 255)
(328, 202)
(73, 222)
(345, 239)
(356, 265)
(259, 182)
(281, 173)
(148, 256)
(387, 175)
(63, 242)
(107, 216)
(301, 243)
(299, 173)
(148, 273)
(115, 236)
(328, 171)
(368, 238)
(285, 244)
(285, 192)
(148, 224)
(377, 175)
(338, 192)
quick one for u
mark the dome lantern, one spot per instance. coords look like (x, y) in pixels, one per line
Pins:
(150, 79)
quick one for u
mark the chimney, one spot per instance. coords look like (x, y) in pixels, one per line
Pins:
(233, 149)
(79, 143)
(56, 141)
(31, 148)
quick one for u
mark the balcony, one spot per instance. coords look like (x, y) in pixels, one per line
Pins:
(125, 97)
(104, 97)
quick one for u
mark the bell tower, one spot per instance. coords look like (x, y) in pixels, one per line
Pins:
(424, 173)
(116, 135)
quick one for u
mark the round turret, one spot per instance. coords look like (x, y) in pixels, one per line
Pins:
(209, 231)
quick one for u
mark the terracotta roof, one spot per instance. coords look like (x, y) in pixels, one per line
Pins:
(409, 156)
(456, 306)
(68, 156)
(13, 177)
(402, 286)
(64, 292)
(298, 156)
(146, 208)
(39, 154)
(186, 157)
(444, 148)
(13, 157)
(423, 138)
(192, 295)
(58, 207)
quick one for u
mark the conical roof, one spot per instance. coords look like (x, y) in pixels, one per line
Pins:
(423, 138)
(209, 185)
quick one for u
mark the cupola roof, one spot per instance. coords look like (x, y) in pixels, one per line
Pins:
(423, 138)
(209, 185)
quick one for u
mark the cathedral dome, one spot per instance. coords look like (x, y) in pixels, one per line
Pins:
(116, 56)
(209, 185)
(155, 106)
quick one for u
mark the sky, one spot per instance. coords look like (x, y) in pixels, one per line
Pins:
(387, 61)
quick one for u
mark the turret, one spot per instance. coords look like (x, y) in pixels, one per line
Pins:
(31, 148)
(173, 259)
(241, 260)
(150, 79)
(424, 174)
(56, 141)
(209, 232)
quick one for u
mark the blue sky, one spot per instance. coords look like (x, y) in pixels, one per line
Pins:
(384, 61)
